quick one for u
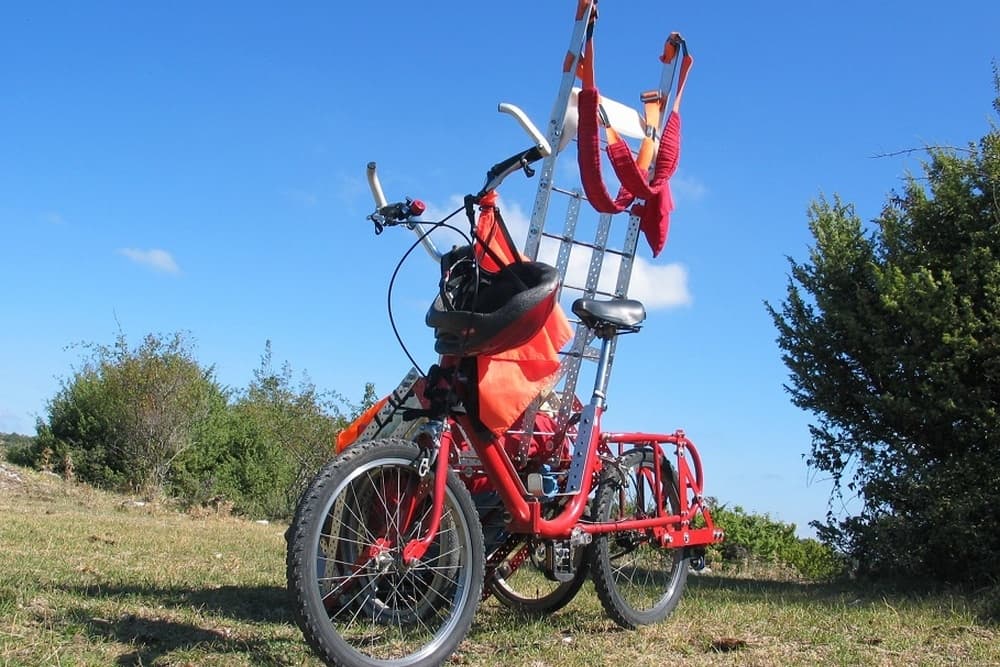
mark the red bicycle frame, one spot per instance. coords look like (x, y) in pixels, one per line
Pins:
(692, 526)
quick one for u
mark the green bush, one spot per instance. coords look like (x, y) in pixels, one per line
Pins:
(814, 560)
(17, 448)
(759, 538)
(260, 452)
(988, 605)
(152, 420)
(122, 419)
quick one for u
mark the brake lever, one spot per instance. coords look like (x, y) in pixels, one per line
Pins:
(397, 213)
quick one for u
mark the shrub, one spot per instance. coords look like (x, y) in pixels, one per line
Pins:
(759, 538)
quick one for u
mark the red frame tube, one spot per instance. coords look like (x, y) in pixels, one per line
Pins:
(526, 511)
(415, 549)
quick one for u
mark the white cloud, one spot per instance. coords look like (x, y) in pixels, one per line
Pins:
(349, 189)
(301, 197)
(656, 285)
(687, 188)
(660, 285)
(156, 259)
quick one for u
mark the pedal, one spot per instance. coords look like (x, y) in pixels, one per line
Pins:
(559, 561)
(560, 556)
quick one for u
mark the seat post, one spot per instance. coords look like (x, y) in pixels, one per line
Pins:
(603, 371)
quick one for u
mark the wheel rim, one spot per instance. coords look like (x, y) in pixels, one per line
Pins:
(379, 607)
(644, 574)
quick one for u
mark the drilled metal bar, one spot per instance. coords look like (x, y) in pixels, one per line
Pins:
(554, 133)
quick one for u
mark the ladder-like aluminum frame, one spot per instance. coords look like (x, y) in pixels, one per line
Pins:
(540, 227)
(563, 388)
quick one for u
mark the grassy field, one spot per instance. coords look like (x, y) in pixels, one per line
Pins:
(88, 578)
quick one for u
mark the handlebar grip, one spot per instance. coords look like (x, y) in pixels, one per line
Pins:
(504, 168)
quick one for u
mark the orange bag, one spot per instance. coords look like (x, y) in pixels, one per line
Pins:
(510, 380)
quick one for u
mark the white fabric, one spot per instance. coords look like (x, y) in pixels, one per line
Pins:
(624, 119)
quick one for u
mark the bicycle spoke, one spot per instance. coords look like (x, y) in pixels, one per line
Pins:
(380, 607)
(638, 581)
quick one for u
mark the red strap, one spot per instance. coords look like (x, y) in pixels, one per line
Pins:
(654, 218)
(632, 177)
(669, 154)
(589, 157)
(632, 174)
(654, 213)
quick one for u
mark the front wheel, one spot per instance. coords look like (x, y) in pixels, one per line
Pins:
(356, 600)
(637, 581)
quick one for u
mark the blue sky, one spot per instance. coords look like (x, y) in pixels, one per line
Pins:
(200, 167)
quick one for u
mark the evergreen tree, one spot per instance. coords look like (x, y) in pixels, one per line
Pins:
(891, 334)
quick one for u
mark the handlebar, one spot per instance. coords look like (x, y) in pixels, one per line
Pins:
(376, 187)
(518, 161)
(540, 141)
(387, 214)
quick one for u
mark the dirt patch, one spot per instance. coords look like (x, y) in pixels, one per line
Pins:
(25, 482)
(10, 478)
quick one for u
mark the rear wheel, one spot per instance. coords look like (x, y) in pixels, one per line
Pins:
(356, 600)
(637, 581)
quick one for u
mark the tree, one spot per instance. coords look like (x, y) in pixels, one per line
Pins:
(891, 334)
(123, 418)
(293, 427)
(263, 452)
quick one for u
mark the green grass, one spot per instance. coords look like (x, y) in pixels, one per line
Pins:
(87, 578)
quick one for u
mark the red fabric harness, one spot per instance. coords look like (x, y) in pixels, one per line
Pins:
(654, 212)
